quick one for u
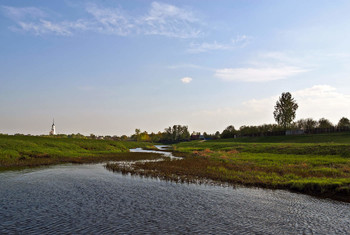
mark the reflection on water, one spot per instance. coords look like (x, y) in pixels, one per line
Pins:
(82, 199)
(162, 149)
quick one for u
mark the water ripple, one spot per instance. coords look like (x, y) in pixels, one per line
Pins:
(88, 199)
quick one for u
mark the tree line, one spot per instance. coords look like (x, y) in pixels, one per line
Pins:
(284, 114)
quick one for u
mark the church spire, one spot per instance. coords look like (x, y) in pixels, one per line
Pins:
(53, 128)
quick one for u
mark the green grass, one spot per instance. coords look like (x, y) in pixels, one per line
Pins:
(21, 151)
(322, 144)
(313, 164)
(340, 138)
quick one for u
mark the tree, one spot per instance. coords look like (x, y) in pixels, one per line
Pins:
(344, 122)
(229, 132)
(285, 109)
(324, 123)
(307, 124)
(176, 134)
(217, 135)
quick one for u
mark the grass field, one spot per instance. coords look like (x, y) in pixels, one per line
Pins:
(314, 164)
(26, 151)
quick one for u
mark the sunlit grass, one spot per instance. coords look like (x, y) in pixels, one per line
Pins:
(20, 151)
(315, 168)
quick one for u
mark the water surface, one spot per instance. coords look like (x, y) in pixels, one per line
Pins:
(82, 199)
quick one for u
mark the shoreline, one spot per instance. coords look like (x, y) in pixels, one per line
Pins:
(180, 171)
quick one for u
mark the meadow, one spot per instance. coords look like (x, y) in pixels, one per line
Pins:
(30, 151)
(312, 164)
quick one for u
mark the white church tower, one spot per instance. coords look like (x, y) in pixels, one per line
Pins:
(53, 128)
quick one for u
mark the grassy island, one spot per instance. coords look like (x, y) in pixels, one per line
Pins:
(312, 164)
(30, 151)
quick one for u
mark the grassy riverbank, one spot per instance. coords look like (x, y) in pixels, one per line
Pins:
(29, 151)
(315, 164)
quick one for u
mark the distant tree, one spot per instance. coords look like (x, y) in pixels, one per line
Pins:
(324, 123)
(155, 138)
(217, 135)
(285, 110)
(176, 133)
(344, 122)
(229, 132)
(92, 136)
(123, 137)
(205, 135)
(144, 137)
(306, 124)
(136, 136)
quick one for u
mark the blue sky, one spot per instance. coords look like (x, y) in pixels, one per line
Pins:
(108, 67)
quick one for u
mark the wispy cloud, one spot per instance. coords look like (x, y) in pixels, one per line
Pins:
(265, 67)
(45, 27)
(20, 13)
(161, 19)
(257, 74)
(239, 42)
(186, 80)
(110, 20)
(169, 20)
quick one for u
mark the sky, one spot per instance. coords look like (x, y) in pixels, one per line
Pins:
(109, 67)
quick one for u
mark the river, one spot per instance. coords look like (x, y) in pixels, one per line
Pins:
(81, 199)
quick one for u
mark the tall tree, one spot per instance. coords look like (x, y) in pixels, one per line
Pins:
(324, 123)
(285, 109)
(229, 132)
(344, 122)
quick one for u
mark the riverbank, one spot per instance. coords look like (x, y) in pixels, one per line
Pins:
(320, 169)
(18, 152)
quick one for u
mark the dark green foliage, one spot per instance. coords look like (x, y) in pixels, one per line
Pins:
(229, 132)
(176, 134)
(307, 124)
(285, 109)
(344, 122)
(324, 123)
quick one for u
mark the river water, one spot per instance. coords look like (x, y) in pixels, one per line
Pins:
(88, 199)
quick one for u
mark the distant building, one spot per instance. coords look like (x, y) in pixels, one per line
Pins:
(295, 132)
(53, 128)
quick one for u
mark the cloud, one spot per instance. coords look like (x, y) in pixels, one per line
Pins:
(44, 27)
(18, 13)
(169, 20)
(161, 19)
(239, 42)
(186, 80)
(110, 20)
(265, 67)
(258, 74)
